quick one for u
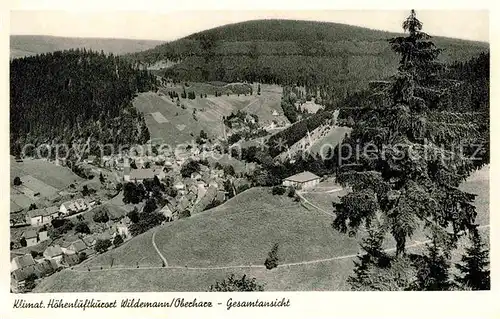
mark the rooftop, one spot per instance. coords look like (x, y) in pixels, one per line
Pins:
(30, 233)
(42, 212)
(302, 177)
(24, 261)
(79, 245)
(53, 251)
(145, 173)
(89, 240)
(39, 269)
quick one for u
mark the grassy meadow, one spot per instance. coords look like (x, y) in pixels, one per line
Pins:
(53, 175)
(182, 124)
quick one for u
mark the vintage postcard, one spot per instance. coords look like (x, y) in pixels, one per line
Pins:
(165, 157)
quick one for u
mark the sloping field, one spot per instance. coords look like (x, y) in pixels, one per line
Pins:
(159, 118)
(325, 200)
(55, 176)
(138, 251)
(240, 232)
(36, 185)
(175, 124)
(243, 234)
(324, 276)
(18, 200)
(332, 139)
(38, 176)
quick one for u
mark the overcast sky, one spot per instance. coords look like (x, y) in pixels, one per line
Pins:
(464, 24)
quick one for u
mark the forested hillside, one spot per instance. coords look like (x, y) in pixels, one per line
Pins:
(468, 91)
(75, 96)
(331, 58)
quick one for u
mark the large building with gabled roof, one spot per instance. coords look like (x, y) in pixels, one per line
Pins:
(302, 180)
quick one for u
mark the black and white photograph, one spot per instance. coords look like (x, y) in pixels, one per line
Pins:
(249, 151)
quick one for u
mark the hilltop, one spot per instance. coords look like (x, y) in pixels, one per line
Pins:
(27, 45)
(337, 57)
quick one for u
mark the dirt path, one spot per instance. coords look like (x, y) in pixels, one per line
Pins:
(157, 250)
(301, 263)
(306, 201)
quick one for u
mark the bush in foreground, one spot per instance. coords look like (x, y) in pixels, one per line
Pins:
(184, 214)
(82, 256)
(278, 190)
(30, 282)
(17, 181)
(101, 216)
(272, 259)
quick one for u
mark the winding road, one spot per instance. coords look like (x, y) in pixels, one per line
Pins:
(157, 250)
(305, 200)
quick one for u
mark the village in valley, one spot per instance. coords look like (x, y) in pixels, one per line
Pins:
(234, 159)
(55, 229)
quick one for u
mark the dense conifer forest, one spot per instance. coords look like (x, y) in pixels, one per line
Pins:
(333, 58)
(76, 96)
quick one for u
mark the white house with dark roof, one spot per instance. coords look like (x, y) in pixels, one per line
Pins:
(20, 262)
(167, 212)
(31, 237)
(35, 217)
(302, 180)
(41, 216)
(54, 253)
(141, 174)
(73, 206)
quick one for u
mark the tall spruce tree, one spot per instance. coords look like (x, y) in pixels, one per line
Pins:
(475, 266)
(411, 180)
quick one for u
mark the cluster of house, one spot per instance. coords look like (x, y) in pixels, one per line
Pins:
(43, 216)
(190, 190)
(56, 256)
(23, 267)
(201, 188)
